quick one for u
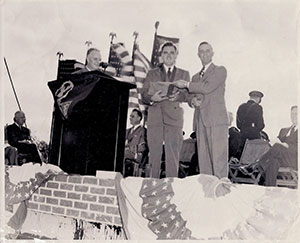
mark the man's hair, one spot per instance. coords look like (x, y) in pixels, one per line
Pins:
(17, 113)
(169, 43)
(294, 107)
(139, 113)
(204, 43)
(89, 52)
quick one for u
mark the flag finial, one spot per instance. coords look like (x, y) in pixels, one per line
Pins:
(59, 54)
(88, 43)
(112, 35)
(156, 26)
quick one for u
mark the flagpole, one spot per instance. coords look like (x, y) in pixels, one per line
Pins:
(135, 35)
(112, 35)
(155, 35)
(12, 84)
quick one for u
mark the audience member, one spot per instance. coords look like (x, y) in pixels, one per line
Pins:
(18, 136)
(136, 141)
(234, 140)
(284, 153)
(249, 118)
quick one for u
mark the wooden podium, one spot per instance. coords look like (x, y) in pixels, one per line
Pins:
(88, 123)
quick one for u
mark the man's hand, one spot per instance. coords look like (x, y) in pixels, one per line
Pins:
(25, 141)
(174, 96)
(196, 102)
(180, 84)
(158, 96)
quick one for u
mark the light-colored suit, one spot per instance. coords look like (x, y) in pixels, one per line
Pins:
(165, 122)
(211, 120)
(280, 156)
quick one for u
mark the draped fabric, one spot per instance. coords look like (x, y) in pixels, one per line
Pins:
(204, 207)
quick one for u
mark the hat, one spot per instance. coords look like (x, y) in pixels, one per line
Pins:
(256, 93)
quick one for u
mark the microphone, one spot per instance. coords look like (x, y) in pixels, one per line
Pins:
(103, 64)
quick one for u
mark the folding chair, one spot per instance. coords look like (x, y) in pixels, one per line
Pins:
(252, 151)
(133, 167)
(287, 177)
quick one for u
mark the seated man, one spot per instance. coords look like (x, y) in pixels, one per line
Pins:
(249, 118)
(282, 154)
(136, 142)
(18, 136)
(11, 153)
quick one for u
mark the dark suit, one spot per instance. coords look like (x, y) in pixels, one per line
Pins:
(136, 143)
(234, 142)
(82, 70)
(16, 134)
(280, 156)
(165, 122)
(211, 120)
(250, 121)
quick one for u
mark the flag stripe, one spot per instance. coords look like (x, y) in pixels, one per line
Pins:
(127, 70)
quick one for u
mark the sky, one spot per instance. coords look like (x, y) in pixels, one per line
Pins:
(255, 40)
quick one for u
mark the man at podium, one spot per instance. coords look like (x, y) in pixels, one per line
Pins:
(92, 62)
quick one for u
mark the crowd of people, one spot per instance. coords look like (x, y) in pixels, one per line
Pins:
(165, 88)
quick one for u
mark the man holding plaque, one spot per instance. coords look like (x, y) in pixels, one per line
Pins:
(165, 115)
(207, 90)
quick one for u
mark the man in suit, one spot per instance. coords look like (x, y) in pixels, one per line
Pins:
(165, 114)
(249, 118)
(92, 62)
(18, 136)
(234, 140)
(207, 90)
(284, 153)
(136, 140)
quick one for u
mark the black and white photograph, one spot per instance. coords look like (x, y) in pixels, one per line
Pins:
(149, 120)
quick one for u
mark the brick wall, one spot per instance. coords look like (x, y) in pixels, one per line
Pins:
(83, 197)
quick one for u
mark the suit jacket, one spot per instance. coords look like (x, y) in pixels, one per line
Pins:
(211, 90)
(15, 134)
(166, 112)
(82, 70)
(249, 119)
(136, 140)
(291, 140)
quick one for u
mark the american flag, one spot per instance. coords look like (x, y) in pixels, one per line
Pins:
(15, 193)
(141, 67)
(20, 193)
(120, 62)
(158, 42)
(133, 69)
(164, 219)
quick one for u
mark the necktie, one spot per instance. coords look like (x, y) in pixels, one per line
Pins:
(169, 73)
(292, 130)
(202, 72)
(131, 130)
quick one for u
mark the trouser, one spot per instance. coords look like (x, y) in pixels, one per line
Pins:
(30, 149)
(276, 157)
(172, 137)
(212, 150)
(11, 155)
